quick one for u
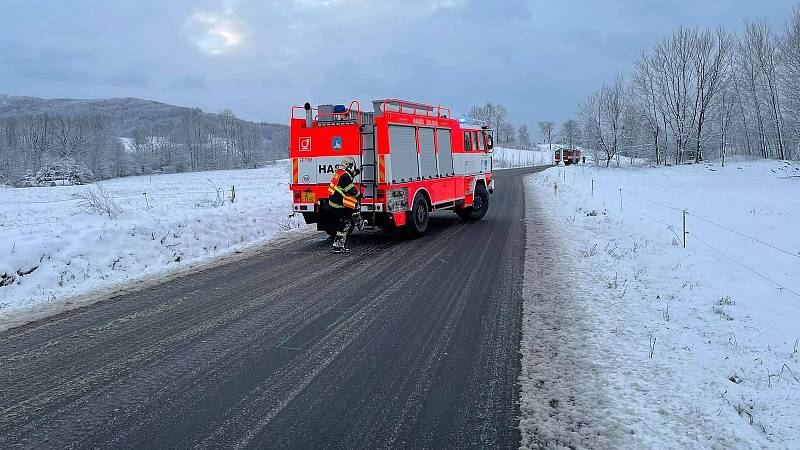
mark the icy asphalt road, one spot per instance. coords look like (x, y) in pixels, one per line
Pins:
(403, 343)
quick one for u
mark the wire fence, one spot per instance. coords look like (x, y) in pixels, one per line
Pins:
(701, 218)
(682, 228)
(743, 265)
(227, 195)
(138, 194)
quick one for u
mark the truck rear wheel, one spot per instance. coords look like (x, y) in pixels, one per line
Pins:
(480, 205)
(419, 216)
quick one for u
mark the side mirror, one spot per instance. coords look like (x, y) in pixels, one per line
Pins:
(489, 142)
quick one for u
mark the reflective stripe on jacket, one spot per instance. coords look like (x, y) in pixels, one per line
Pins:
(342, 192)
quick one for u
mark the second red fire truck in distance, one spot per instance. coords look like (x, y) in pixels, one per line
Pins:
(414, 159)
(569, 155)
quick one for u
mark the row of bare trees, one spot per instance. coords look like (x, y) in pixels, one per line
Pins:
(569, 134)
(701, 94)
(506, 133)
(497, 118)
(31, 143)
(202, 142)
(193, 141)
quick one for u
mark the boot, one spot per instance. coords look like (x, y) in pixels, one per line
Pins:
(338, 245)
(358, 222)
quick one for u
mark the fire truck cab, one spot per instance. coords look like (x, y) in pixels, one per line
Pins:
(414, 159)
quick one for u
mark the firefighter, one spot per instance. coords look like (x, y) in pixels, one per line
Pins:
(343, 197)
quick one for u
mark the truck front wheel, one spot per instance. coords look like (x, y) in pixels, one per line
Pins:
(480, 205)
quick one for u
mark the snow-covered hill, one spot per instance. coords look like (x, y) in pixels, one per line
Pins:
(53, 245)
(670, 347)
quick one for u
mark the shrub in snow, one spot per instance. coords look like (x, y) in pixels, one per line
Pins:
(60, 172)
(216, 202)
(96, 200)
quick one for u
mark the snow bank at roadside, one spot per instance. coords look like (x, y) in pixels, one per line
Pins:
(630, 340)
(53, 247)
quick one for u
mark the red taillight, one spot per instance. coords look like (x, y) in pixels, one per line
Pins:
(296, 195)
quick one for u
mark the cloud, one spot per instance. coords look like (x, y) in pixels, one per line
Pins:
(216, 33)
(320, 3)
(126, 78)
(537, 57)
(187, 83)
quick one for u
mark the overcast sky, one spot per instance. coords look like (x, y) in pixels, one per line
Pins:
(258, 57)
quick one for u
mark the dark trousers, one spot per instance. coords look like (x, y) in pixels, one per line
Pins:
(347, 221)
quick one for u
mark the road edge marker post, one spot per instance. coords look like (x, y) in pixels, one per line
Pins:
(684, 227)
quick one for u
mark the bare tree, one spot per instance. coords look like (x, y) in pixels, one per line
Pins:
(570, 130)
(497, 117)
(763, 50)
(742, 111)
(677, 82)
(790, 76)
(524, 137)
(603, 115)
(711, 66)
(228, 128)
(546, 130)
(748, 64)
(725, 113)
(644, 89)
(193, 137)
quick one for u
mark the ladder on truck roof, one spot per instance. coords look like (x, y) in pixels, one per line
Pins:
(369, 164)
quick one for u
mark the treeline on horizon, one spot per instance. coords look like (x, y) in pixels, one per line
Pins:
(703, 94)
(100, 146)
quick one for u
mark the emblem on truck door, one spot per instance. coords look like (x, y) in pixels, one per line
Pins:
(336, 143)
(305, 144)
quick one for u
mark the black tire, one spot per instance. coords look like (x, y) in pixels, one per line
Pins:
(417, 219)
(481, 200)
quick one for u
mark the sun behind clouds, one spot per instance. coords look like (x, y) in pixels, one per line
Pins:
(215, 33)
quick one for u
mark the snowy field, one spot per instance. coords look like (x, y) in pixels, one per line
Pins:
(55, 246)
(631, 340)
(512, 157)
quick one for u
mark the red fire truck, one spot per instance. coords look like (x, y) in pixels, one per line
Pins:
(571, 156)
(414, 159)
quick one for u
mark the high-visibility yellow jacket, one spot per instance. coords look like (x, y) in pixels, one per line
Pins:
(342, 193)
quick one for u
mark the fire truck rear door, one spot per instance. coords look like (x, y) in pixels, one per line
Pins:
(319, 169)
(307, 171)
(403, 148)
(444, 189)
